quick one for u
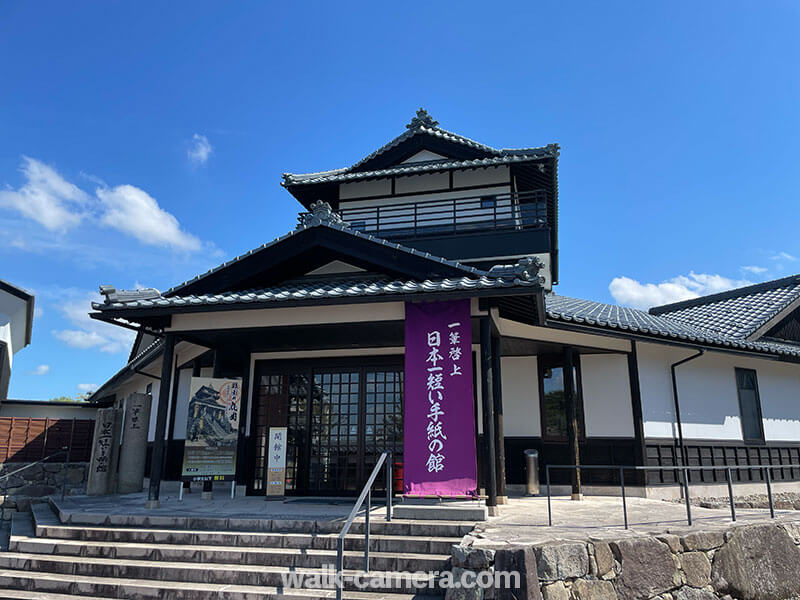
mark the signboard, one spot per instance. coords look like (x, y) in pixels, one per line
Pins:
(212, 429)
(276, 461)
(439, 426)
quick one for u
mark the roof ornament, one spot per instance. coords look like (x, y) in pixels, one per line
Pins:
(321, 214)
(526, 269)
(423, 119)
(114, 295)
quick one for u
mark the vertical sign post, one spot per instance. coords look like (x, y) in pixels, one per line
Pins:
(439, 425)
(276, 461)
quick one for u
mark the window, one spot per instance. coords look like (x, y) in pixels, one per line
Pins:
(749, 405)
(488, 201)
(555, 420)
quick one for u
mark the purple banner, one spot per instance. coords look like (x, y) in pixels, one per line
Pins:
(439, 425)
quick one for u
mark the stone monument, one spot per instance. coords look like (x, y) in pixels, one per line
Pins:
(105, 450)
(134, 444)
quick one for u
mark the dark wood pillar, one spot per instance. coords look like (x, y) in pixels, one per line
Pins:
(242, 449)
(639, 450)
(499, 437)
(487, 402)
(157, 461)
(572, 420)
(208, 486)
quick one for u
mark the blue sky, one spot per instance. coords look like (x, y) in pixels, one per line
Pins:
(143, 142)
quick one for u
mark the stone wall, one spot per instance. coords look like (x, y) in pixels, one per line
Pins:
(37, 482)
(752, 562)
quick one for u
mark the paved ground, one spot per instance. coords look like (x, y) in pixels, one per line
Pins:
(524, 520)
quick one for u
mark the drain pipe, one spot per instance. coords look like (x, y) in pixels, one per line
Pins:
(677, 402)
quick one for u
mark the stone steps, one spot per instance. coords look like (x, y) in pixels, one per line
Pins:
(282, 557)
(431, 526)
(252, 576)
(166, 558)
(56, 586)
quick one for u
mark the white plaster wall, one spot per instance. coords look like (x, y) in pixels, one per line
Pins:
(425, 197)
(182, 404)
(422, 183)
(481, 177)
(708, 397)
(606, 395)
(521, 414)
(359, 189)
(14, 314)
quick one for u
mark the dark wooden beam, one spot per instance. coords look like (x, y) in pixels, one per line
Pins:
(639, 451)
(573, 430)
(487, 401)
(499, 436)
(157, 462)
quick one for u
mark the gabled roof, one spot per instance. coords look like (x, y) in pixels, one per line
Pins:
(423, 132)
(664, 327)
(323, 219)
(448, 275)
(743, 313)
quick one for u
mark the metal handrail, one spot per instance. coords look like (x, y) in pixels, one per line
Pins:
(64, 450)
(366, 493)
(516, 210)
(765, 469)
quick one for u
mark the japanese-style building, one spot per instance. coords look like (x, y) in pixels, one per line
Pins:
(313, 323)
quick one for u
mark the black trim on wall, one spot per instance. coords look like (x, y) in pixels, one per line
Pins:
(663, 452)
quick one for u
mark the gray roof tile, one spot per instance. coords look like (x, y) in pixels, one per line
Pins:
(598, 314)
(736, 313)
(349, 288)
(343, 175)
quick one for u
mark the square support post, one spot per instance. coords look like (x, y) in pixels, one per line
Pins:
(572, 421)
(157, 461)
(487, 402)
(499, 437)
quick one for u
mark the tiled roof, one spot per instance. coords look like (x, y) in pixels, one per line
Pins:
(423, 124)
(350, 288)
(327, 219)
(347, 174)
(598, 314)
(736, 313)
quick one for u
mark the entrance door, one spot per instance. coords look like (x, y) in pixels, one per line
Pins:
(339, 418)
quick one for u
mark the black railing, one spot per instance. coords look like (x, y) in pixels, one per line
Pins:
(366, 493)
(766, 469)
(487, 212)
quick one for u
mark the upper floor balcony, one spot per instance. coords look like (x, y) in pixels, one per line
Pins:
(453, 216)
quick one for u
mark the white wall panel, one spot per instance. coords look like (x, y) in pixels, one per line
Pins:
(606, 395)
(521, 416)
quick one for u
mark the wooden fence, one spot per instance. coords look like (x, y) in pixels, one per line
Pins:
(28, 439)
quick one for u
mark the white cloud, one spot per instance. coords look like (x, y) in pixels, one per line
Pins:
(630, 292)
(58, 205)
(41, 370)
(754, 269)
(133, 211)
(784, 256)
(38, 312)
(46, 197)
(89, 333)
(87, 388)
(199, 149)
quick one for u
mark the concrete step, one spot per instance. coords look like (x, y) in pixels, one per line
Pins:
(184, 572)
(55, 586)
(399, 526)
(441, 512)
(26, 595)
(281, 557)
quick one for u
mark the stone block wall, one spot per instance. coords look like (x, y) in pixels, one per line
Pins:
(35, 483)
(751, 562)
